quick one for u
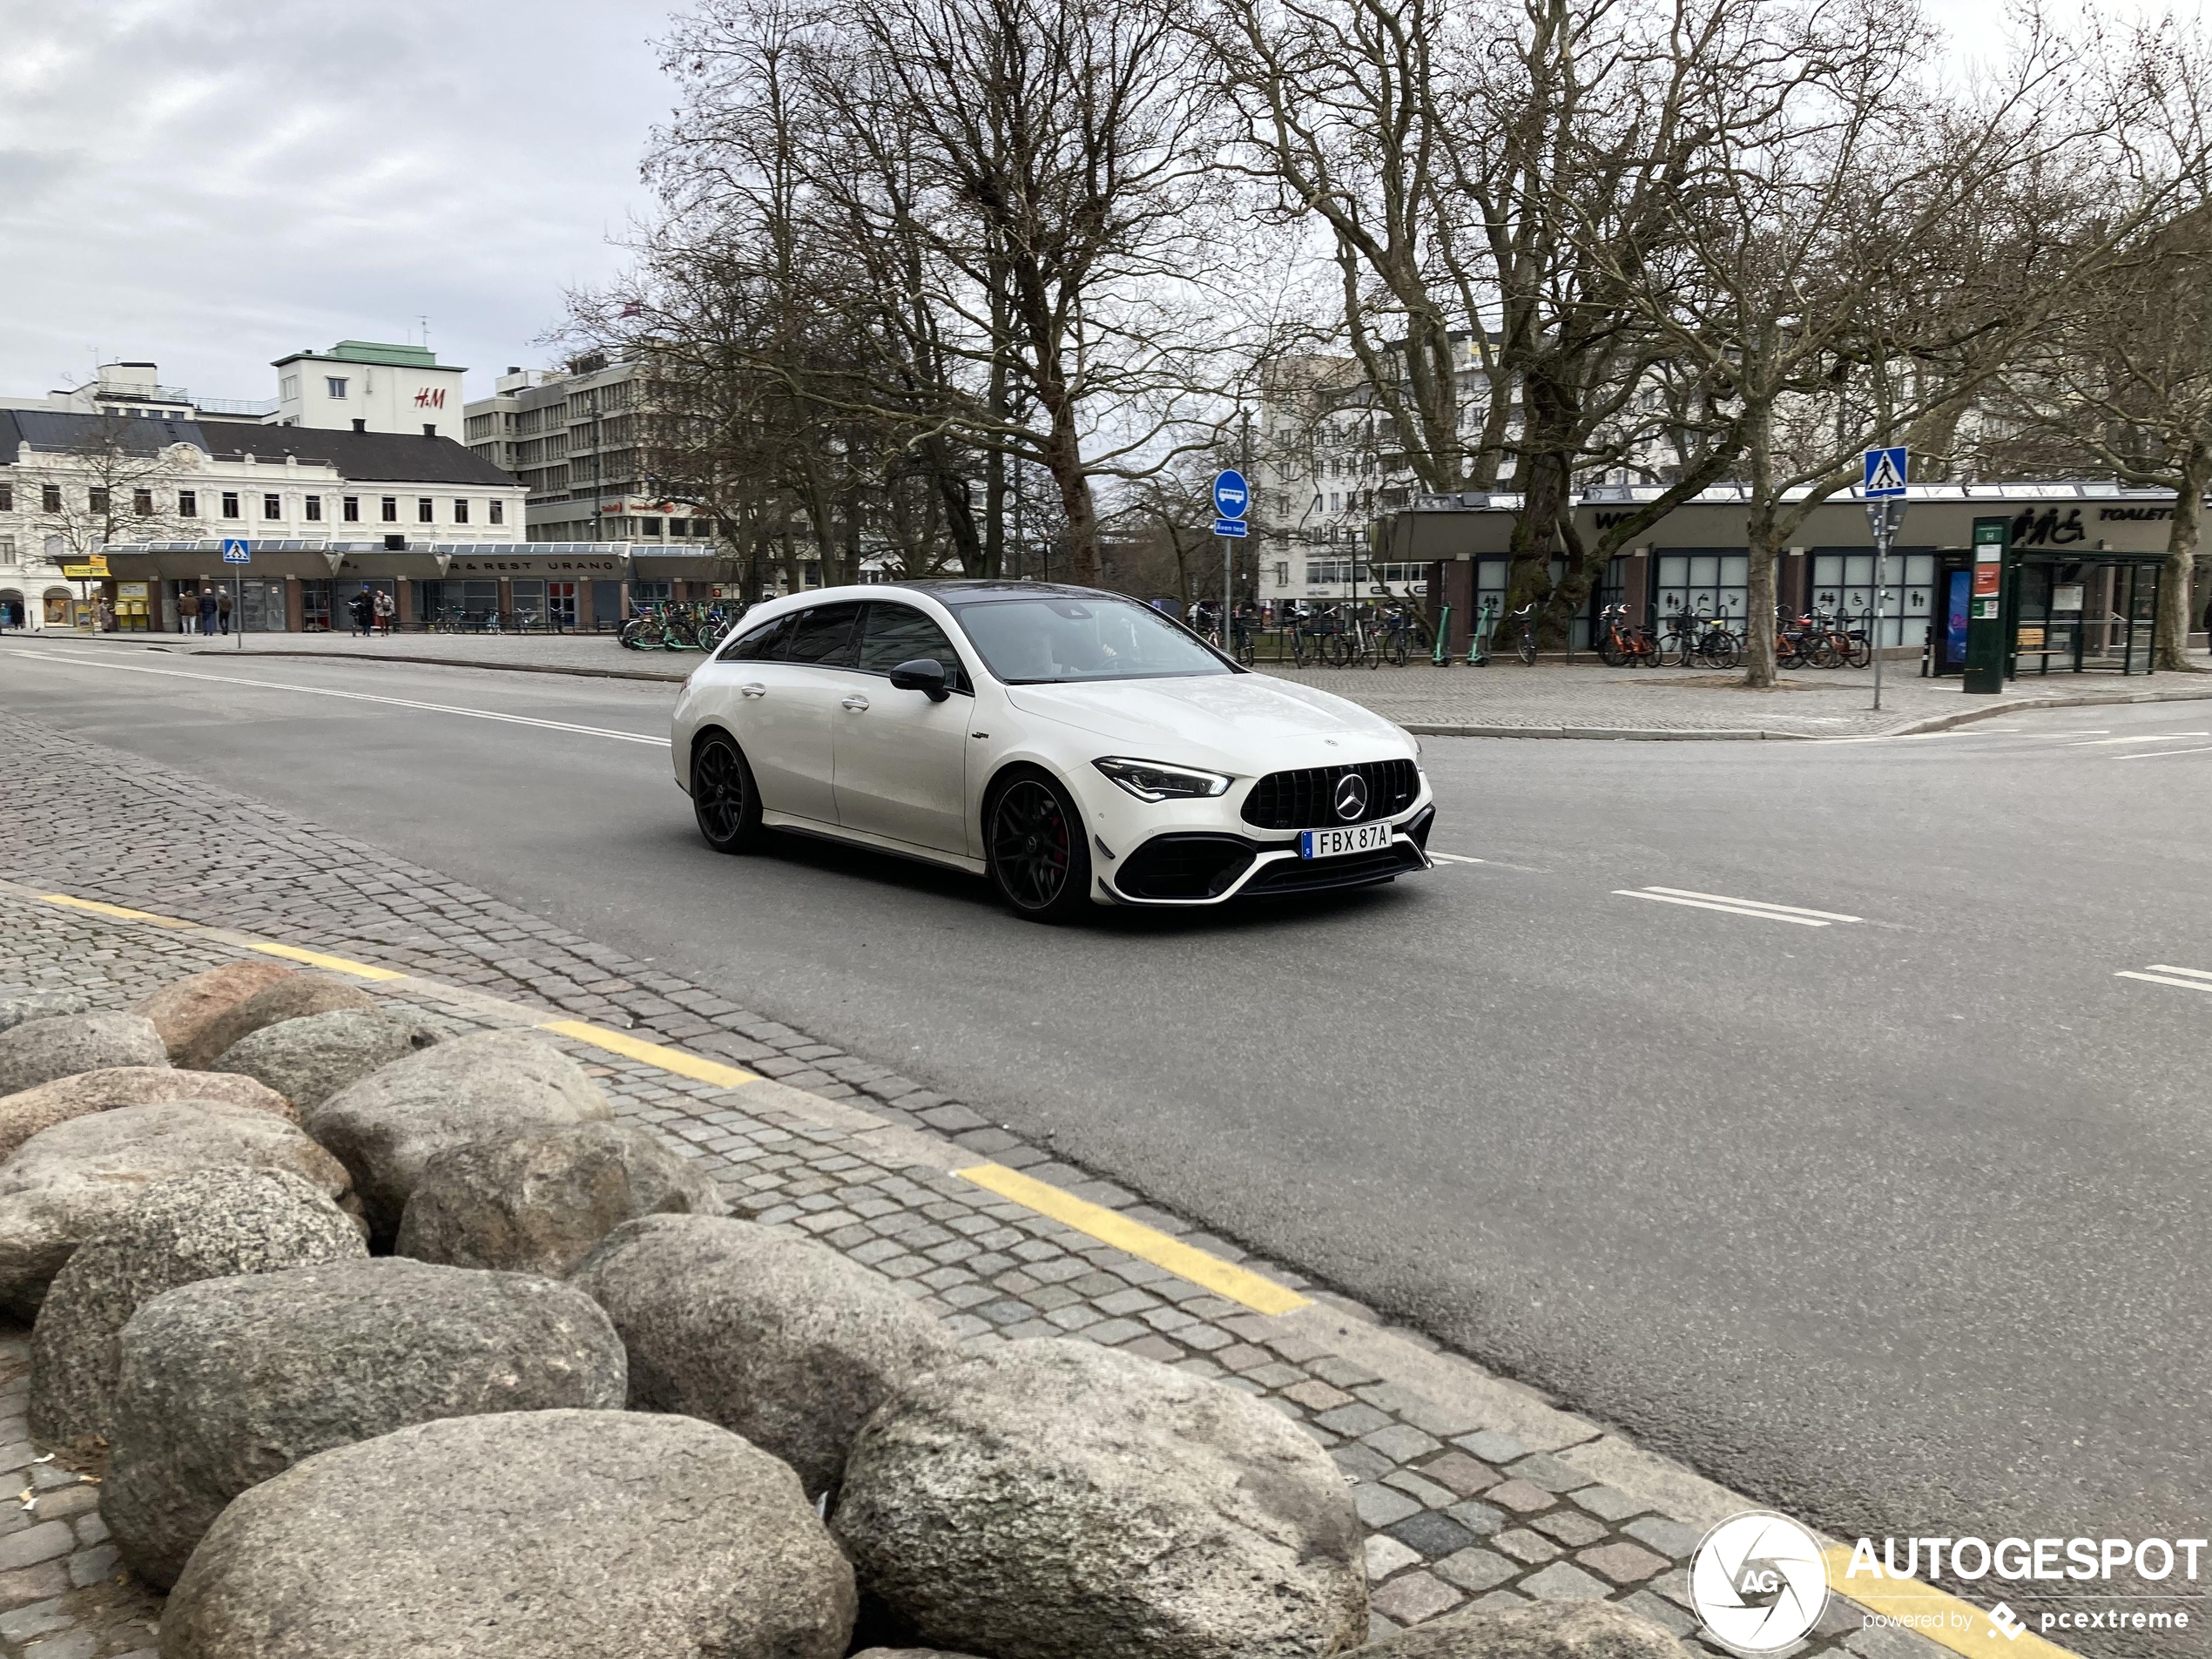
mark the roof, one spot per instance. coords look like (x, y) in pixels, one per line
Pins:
(370, 351)
(966, 589)
(361, 457)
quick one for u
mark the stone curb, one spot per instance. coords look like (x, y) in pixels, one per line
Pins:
(1402, 1361)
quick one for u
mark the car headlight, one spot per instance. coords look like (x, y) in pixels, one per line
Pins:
(1151, 780)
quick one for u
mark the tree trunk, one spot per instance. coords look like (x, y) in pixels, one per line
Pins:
(2176, 601)
(1759, 542)
(1063, 454)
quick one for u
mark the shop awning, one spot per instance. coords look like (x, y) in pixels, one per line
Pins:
(183, 565)
(398, 567)
(683, 566)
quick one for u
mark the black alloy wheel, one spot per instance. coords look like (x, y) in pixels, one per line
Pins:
(722, 795)
(1038, 858)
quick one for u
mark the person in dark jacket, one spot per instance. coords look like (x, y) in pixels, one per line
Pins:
(208, 610)
(363, 606)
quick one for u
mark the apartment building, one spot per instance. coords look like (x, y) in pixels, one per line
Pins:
(575, 439)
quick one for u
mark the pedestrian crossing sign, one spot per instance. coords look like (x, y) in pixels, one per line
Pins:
(1884, 478)
(236, 550)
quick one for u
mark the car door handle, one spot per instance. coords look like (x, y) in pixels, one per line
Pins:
(858, 704)
(752, 688)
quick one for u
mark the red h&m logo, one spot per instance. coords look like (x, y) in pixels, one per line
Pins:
(430, 397)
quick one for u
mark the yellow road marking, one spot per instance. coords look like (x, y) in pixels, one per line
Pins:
(316, 959)
(653, 1054)
(1147, 1243)
(1959, 1626)
(116, 910)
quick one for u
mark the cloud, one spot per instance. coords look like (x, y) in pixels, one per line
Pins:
(211, 184)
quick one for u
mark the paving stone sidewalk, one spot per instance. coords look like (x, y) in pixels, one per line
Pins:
(1548, 699)
(1461, 1508)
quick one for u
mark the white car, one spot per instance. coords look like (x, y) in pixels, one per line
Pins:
(1074, 746)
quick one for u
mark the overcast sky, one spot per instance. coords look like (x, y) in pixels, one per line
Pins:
(210, 184)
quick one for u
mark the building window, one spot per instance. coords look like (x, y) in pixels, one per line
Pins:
(391, 509)
(648, 526)
(314, 510)
(499, 512)
(460, 512)
(425, 511)
(7, 498)
(188, 504)
(334, 384)
(50, 497)
(290, 390)
(349, 509)
(142, 502)
(273, 506)
(97, 499)
(230, 504)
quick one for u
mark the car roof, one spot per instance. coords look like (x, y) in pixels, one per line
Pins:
(963, 589)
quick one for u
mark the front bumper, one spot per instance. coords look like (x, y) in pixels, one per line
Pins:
(1183, 869)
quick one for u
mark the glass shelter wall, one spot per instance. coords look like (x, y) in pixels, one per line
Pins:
(1843, 582)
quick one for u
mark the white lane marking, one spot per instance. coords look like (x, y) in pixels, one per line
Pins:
(364, 696)
(2169, 967)
(1456, 857)
(2160, 737)
(1755, 904)
(1730, 909)
(2161, 754)
(2203, 983)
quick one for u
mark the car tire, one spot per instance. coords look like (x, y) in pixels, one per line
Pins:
(1036, 848)
(725, 800)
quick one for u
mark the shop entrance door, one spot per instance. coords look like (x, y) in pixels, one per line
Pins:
(559, 607)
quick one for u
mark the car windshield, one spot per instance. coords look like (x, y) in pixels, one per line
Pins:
(1030, 641)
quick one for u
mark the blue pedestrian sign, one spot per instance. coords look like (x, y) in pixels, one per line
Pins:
(1884, 474)
(237, 551)
(1230, 497)
(1230, 527)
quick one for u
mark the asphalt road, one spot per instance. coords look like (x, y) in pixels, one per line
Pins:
(1898, 1222)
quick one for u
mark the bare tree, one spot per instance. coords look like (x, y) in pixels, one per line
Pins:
(1857, 261)
(116, 483)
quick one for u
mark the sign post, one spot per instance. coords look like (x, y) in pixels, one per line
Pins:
(1985, 665)
(1230, 502)
(238, 553)
(1883, 487)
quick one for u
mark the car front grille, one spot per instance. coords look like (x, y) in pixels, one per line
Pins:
(1316, 875)
(1307, 799)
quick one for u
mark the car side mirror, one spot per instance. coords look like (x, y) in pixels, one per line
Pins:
(924, 674)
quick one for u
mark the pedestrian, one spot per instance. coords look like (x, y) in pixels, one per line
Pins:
(223, 609)
(206, 611)
(362, 609)
(386, 607)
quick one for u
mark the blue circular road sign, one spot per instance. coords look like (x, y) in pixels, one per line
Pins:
(1230, 495)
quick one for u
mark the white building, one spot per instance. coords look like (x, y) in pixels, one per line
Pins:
(366, 386)
(322, 511)
(134, 389)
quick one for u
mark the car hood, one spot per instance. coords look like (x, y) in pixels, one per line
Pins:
(1236, 722)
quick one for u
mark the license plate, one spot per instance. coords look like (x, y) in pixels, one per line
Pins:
(1335, 843)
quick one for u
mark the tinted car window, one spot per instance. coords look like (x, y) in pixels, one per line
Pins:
(824, 636)
(1029, 642)
(761, 645)
(896, 634)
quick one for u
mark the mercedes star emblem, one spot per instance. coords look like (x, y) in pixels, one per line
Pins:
(1351, 796)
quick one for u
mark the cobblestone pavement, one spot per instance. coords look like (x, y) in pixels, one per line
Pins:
(1474, 1490)
(1584, 698)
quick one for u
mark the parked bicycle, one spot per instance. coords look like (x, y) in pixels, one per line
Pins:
(1621, 645)
(1526, 617)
